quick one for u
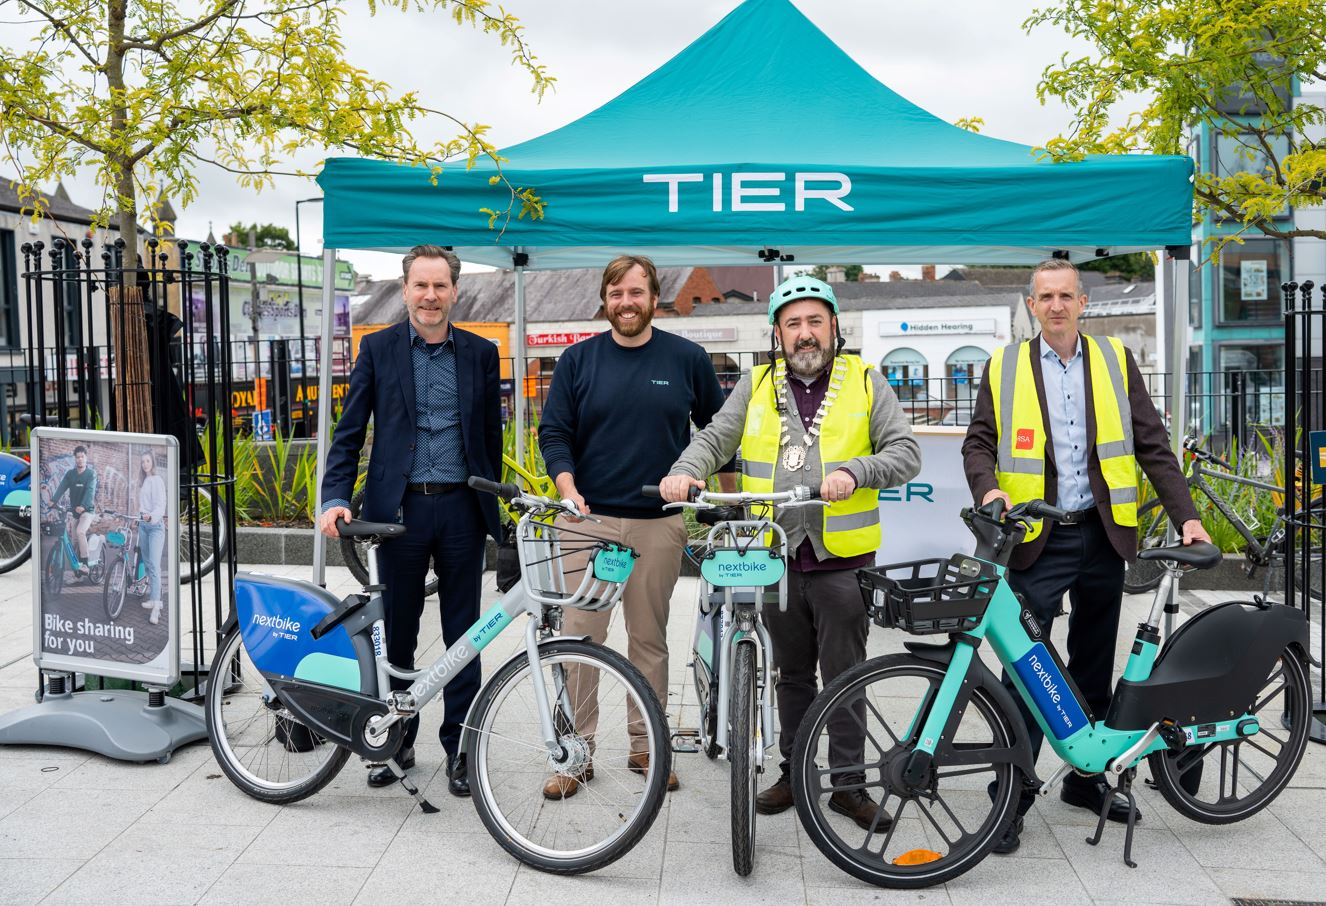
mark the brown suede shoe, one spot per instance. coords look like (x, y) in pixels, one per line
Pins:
(857, 805)
(777, 798)
(564, 786)
(639, 764)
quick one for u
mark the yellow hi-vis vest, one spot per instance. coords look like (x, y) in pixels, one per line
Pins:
(1020, 466)
(851, 526)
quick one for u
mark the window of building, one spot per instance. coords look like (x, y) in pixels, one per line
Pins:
(71, 299)
(9, 337)
(1243, 153)
(1195, 278)
(906, 371)
(1263, 398)
(963, 370)
(1249, 282)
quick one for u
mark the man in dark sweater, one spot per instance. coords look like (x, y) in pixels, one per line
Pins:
(618, 413)
(81, 484)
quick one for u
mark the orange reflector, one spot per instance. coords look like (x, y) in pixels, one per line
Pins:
(917, 857)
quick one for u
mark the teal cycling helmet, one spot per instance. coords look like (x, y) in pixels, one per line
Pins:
(800, 287)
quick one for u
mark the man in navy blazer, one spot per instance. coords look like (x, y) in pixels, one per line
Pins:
(432, 391)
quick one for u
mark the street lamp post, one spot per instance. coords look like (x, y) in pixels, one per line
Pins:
(303, 358)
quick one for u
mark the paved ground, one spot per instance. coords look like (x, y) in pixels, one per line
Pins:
(79, 828)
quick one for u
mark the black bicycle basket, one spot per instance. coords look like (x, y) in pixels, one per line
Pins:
(928, 596)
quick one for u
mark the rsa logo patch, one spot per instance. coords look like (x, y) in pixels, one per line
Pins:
(1025, 439)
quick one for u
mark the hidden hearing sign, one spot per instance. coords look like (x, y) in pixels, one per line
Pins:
(106, 566)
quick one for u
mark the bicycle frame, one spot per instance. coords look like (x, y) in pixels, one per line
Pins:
(1197, 480)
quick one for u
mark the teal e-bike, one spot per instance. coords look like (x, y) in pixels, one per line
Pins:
(1221, 711)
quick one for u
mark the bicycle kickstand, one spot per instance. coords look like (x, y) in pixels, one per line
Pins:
(1124, 788)
(404, 779)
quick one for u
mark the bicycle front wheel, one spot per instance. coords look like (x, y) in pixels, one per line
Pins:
(204, 534)
(1142, 576)
(858, 736)
(263, 748)
(112, 593)
(604, 713)
(52, 574)
(15, 542)
(742, 740)
(1228, 781)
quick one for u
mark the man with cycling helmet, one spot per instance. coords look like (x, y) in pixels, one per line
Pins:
(818, 417)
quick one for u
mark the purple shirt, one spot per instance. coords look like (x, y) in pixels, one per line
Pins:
(808, 398)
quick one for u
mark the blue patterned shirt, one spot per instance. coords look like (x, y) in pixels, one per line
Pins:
(1065, 399)
(439, 449)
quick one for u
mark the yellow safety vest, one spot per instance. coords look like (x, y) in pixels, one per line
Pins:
(1020, 467)
(851, 526)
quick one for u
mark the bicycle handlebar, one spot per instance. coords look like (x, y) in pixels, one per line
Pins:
(513, 494)
(797, 496)
(507, 492)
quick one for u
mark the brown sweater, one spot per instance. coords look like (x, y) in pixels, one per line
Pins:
(1150, 446)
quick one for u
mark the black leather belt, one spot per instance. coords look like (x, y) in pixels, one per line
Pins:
(429, 488)
(1077, 517)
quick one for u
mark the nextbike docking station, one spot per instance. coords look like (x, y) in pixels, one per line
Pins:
(119, 723)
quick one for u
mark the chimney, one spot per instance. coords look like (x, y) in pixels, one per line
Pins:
(867, 277)
(895, 276)
(928, 272)
(835, 273)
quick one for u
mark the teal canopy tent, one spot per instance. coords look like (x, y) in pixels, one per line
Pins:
(763, 142)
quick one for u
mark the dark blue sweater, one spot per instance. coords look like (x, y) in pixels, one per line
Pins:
(618, 418)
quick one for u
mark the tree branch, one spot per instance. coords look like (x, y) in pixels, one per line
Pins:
(155, 46)
(62, 130)
(63, 26)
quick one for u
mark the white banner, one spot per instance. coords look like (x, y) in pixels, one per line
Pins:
(920, 520)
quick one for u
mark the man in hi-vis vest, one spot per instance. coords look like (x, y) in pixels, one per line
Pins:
(1066, 418)
(814, 417)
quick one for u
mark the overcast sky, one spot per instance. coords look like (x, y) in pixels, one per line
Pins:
(961, 58)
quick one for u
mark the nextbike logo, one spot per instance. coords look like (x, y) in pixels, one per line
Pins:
(1049, 690)
(451, 661)
(285, 624)
(740, 567)
(738, 191)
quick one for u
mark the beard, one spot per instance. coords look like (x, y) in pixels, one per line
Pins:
(634, 328)
(807, 359)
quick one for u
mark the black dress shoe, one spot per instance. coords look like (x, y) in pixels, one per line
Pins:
(382, 775)
(458, 775)
(1011, 839)
(1090, 793)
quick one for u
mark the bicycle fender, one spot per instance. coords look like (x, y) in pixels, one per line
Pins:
(467, 737)
(979, 675)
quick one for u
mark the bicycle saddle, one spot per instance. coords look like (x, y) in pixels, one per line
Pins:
(358, 528)
(1198, 555)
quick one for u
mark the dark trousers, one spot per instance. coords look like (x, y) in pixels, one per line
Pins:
(1079, 560)
(824, 626)
(446, 529)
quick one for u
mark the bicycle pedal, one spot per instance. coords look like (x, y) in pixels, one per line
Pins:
(686, 742)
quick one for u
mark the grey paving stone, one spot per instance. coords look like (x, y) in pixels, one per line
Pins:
(867, 895)
(1010, 879)
(27, 881)
(1266, 884)
(285, 885)
(692, 868)
(81, 822)
(101, 773)
(701, 813)
(416, 869)
(329, 830)
(1261, 841)
(209, 792)
(1302, 812)
(1166, 871)
(595, 889)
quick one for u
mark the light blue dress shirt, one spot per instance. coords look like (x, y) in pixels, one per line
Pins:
(1066, 401)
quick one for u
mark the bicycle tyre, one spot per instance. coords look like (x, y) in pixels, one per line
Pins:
(1142, 576)
(742, 739)
(513, 832)
(52, 577)
(352, 551)
(1169, 768)
(114, 590)
(198, 528)
(997, 804)
(259, 732)
(1273, 583)
(708, 710)
(15, 546)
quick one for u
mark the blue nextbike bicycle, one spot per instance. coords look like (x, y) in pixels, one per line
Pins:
(1220, 712)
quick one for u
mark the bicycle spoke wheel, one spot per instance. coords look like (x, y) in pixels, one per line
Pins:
(260, 745)
(52, 576)
(203, 532)
(112, 593)
(858, 736)
(742, 740)
(1152, 525)
(605, 711)
(355, 552)
(1228, 781)
(15, 543)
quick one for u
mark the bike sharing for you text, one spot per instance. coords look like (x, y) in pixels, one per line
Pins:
(61, 636)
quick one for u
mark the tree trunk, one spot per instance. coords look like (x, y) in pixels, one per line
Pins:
(133, 368)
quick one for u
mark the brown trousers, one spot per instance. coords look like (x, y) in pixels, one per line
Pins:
(644, 607)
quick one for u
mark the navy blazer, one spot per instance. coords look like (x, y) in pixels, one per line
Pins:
(382, 387)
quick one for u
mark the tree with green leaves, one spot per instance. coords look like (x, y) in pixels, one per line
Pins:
(145, 92)
(266, 235)
(1159, 68)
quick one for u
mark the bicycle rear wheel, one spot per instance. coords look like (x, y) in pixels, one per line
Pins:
(113, 592)
(204, 533)
(1228, 781)
(263, 748)
(355, 553)
(940, 827)
(1152, 526)
(15, 542)
(742, 740)
(604, 711)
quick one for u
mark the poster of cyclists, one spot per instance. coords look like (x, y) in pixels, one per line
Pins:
(106, 578)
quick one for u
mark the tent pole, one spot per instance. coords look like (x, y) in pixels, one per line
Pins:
(324, 406)
(518, 366)
(1176, 300)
